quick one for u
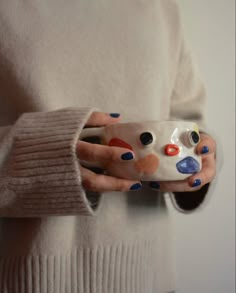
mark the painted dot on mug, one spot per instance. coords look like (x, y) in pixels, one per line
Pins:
(188, 165)
(146, 138)
(117, 142)
(194, 138)
(147, 165)
(171, 150)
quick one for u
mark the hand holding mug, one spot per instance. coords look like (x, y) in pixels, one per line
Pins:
(207, 150)
(158, 150)
(106, 156)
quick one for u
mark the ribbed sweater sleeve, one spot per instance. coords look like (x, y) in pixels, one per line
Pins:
(40, 173)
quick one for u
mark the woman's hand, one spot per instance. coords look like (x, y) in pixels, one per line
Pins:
(206, 148)
(104, 155)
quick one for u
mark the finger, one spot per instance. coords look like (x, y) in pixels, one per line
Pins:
(170, 186)
(100, 153)
(102, 183)
(206, 175)
(207, 145)
(192, 183)
(101, 119)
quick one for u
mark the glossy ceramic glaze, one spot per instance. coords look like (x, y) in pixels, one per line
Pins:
(164, 150)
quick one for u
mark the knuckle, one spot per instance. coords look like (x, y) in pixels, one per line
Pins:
(90, 183)
(79, 147)
(94, 116)
(92, 155)
(111, 154)
(87, 184)
(211, 175)
(84, 151)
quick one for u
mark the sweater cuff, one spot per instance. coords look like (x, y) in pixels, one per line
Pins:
(43, 174)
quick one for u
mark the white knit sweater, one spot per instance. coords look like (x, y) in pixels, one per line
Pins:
(58, 61)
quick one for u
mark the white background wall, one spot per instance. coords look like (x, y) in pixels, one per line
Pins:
(205, 241)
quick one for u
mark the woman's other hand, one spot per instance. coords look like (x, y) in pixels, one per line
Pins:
(207, 149)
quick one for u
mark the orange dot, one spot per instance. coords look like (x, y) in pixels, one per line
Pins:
(147, 165)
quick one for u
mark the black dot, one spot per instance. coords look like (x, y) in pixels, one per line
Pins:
(195, 137)
(146, 138)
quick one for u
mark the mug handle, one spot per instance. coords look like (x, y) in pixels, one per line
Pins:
(91, 132)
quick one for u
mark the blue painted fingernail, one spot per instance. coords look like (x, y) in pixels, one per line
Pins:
(127, 156)
(136, 186)
(196, 183)
(154, 185)
(205, 149)
(114, 115)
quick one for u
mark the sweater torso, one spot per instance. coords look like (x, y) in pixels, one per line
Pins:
(117, 56)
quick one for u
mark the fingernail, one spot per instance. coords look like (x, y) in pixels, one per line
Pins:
(127, 156)
(114, 115)
(196, 183)
(136, 186)
(154, 185)
(205, 149)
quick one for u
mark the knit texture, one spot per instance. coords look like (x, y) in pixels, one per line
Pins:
(128, 57)
(42, 176)
(120, 268)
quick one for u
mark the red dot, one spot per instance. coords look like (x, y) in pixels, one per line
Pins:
(119, 143)
(171, 150)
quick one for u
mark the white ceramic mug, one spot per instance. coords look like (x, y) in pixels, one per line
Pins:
(164, 150)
